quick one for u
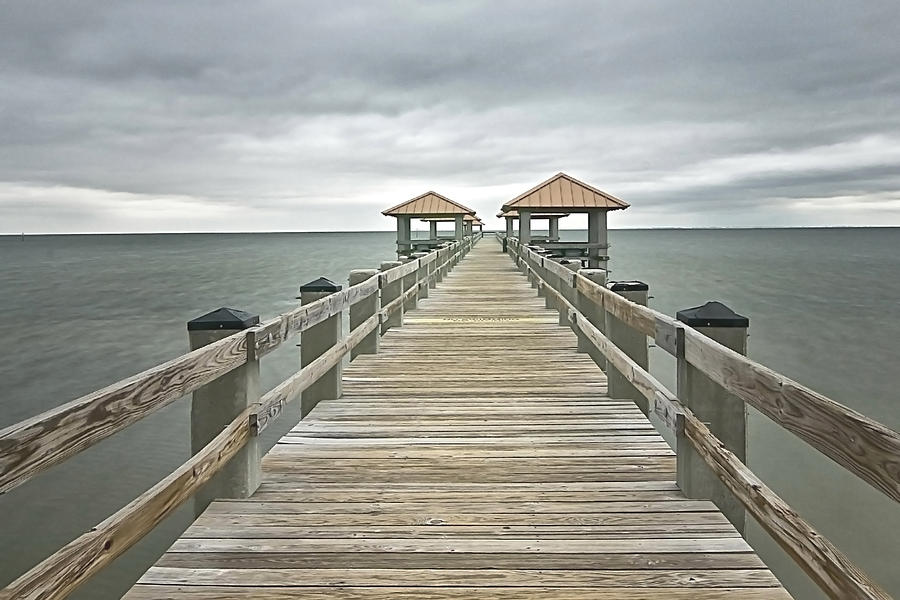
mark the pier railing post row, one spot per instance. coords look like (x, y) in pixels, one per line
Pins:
(724, 414)
(632, 342)
(215, 405)
(315, 341)
(362, 310)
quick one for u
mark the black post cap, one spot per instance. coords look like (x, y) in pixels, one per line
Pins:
(629, 286)
(322, 284)
(223, 318)
(712, 314)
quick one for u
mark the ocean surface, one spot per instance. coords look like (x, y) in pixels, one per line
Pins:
(80, 312)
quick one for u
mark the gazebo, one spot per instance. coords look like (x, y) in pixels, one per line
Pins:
(552, 226)
(562, 193)
(429, 205)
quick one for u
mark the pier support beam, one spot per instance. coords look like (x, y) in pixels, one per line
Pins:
(594, 313)
(421, 274)
(632, 342)
(597, 234)
(361, 311)
(725, 414)
(315, 341)
(459, 227)
(404, 235)
(218, 403)
(389, 293)
(553, 229)
(524, 227)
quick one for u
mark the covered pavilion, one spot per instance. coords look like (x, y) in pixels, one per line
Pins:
(562, 193)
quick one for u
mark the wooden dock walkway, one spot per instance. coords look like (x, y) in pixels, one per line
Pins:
(476, 455)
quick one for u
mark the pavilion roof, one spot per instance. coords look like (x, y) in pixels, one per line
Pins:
(429, 204)
(564, 192)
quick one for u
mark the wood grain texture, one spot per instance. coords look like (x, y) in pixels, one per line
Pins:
(448, 470)
(820, 559)
(860, 444)
(61, 573)
(272, 404)
(38, 443)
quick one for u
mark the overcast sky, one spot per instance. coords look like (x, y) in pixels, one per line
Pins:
(225, 116)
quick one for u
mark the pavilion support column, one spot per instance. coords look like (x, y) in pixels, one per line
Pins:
(404, 234)
(432, 230)
(597, 235)
(553, 229)
(524, 227)
(509, 227)
(459, 229)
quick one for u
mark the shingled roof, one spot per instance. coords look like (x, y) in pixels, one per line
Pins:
(566, 193)
(428, 204)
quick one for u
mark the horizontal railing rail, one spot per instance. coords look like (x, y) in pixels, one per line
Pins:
(36, 444)
(830, 569)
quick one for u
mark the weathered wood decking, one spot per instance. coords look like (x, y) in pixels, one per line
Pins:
(476, 456)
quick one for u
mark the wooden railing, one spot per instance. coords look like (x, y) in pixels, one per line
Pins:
(856, 442)
(36, 444)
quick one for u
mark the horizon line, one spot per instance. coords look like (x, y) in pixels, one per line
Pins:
(264, 232)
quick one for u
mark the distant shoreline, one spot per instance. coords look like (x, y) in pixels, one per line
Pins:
(85, 233)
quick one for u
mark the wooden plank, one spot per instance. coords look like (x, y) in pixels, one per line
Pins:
(38, 443)
(157, 592)
(562, 578)
(61, 573)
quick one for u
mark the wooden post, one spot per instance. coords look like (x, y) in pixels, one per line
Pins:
(594, 313)
(421, 274)
(631, 341)
(524, 227)
(509, 227)
(433, 230)
(315, 341)
(217, 404)
(409, 281)
(597, 234)
(725, 414)
(568, 291)
(361, 311)
(389, 293)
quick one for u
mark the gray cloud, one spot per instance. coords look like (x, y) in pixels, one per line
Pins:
(277, 109)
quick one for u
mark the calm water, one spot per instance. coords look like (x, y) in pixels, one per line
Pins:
(83, 311)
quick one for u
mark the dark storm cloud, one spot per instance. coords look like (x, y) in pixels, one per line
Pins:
(167, 110)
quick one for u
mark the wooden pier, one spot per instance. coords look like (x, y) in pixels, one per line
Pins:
(477, 455)
(486, 426)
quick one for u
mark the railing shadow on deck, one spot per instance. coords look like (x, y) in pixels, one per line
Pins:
(859, 444)
(225, 366)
